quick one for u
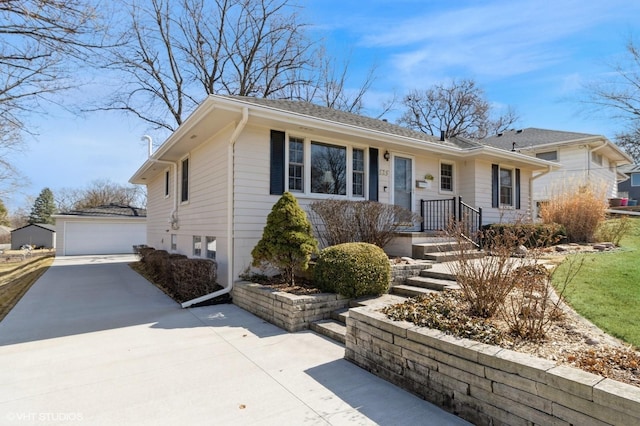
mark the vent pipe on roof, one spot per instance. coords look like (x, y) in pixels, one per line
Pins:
(149, 141)
(442, 135)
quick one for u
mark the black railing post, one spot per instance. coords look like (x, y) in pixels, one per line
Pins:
(422, 215)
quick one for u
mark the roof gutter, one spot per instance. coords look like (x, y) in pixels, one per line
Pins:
(230, 217)
(173, 217)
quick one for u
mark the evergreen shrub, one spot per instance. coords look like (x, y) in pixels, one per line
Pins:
(353, 270)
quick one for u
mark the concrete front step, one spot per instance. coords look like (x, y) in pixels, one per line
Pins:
(448, 256)
(331, 328)
(410, 291)
(420, 249)
(431, 283)
(340, 315)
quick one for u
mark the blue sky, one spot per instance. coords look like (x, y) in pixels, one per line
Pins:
(529, 54)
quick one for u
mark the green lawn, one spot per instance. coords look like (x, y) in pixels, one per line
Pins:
(606, 289)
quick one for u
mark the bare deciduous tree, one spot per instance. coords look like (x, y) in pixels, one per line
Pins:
(175, 53)
(180, 52)
(458, 108)
(100, 193)
(618, 96)
(37, 39)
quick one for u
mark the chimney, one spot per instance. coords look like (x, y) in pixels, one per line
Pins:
(442, 135)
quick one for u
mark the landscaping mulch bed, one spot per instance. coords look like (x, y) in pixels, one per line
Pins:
(571, 340)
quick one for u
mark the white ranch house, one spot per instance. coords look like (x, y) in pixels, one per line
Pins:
(213, 182)
(582, 158)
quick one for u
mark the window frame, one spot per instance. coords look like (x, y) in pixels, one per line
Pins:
(184, 179)
(596, 158)
(541, 155)
(207, 240)
(307, 186)
(174, 242)
(360, 173)
(196, 240)
(291, 164)
(637, 183)
(511, 171)
(167, 183)
(452, 177)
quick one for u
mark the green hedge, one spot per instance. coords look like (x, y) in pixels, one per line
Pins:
(531, 235)
(353, 270)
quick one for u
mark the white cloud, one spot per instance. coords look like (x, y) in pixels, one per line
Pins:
(495, 40)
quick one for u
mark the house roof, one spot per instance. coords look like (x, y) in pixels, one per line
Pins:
(219, 112)
(46, 226)
(337, 116)
(536, 140)
(111, 210)
(630, 168)
(532, 137)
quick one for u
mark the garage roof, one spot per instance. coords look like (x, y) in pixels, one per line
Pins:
(111, 210)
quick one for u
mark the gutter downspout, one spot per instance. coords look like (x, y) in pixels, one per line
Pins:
(230, 218)
(534, 208)
(173, 218)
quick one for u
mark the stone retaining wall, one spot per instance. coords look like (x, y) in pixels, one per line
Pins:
(484, 384)
(288, 311)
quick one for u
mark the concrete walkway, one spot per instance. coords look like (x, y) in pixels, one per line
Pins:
(94, 343)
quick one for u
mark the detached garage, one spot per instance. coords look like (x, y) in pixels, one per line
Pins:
(111, 229)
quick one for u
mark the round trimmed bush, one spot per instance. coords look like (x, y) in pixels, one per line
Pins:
(353, 270)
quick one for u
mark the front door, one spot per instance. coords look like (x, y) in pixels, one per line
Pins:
(402, 178)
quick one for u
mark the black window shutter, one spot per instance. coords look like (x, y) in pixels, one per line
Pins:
(276, 182)
(495, 186)
(373, 174)
(518, 189)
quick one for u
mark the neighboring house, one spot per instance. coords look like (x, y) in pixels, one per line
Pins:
(35, 234)
(582, 158)
(213, 182)
(111, 229)
(630, 186)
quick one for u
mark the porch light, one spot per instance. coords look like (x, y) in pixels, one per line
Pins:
(387, 155)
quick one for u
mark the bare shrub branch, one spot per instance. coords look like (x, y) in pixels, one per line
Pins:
(345, 221)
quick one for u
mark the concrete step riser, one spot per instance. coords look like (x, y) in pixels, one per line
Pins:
(428, 283)
(438, 275)
(332, 330)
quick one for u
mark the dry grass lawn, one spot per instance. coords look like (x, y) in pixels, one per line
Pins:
(16, 277)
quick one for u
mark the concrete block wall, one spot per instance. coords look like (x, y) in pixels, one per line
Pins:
(485, 384)
(288, 311)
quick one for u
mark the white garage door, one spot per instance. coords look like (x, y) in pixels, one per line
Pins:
(102, 238)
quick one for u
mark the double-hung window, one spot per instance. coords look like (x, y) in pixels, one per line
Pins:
(506, 187)
(197, 245)
(635, 179)
(446, 177)
(358, 173)
(184, 193)
(211, 247)
(296, 164)
(166, 183)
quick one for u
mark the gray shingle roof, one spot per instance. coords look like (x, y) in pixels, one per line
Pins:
(46, 226)
(109, 210)
(368, 123)
(532, 137)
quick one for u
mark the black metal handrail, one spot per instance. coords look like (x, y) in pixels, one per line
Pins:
(440, 215)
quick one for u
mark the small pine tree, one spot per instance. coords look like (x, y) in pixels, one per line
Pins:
(287, 239)
(43, 208)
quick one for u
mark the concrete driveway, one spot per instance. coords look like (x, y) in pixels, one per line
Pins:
(92, 342)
